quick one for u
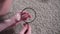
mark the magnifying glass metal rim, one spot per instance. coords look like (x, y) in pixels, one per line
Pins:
(32, 10)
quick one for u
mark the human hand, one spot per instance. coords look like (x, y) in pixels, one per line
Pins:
(26, 27)
(25, 15)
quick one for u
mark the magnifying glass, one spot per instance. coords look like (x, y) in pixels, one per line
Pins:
(32, 12)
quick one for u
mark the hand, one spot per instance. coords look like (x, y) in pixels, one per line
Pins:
(26, 27)
(25, 15)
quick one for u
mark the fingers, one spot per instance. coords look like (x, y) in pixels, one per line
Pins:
(29, 30)
(24, 29)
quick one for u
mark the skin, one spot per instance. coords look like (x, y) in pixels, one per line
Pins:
(5, 7)
(25, 28)
(3, 11)
(12, 21)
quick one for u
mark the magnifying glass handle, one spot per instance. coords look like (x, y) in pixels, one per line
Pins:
(26, 23)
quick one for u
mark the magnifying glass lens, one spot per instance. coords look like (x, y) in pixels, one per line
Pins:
(31, 12)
